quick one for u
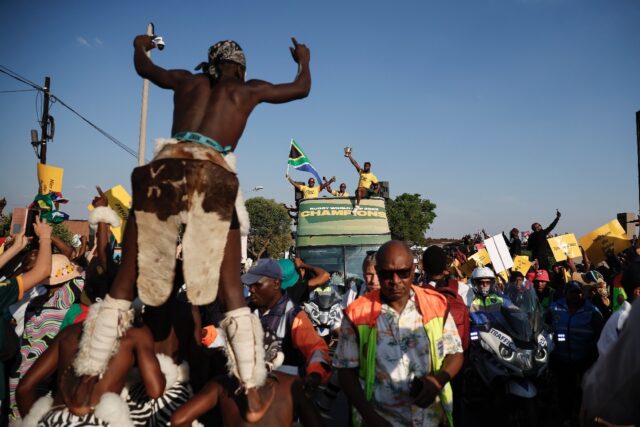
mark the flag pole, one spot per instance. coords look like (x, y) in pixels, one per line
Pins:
(290, 144)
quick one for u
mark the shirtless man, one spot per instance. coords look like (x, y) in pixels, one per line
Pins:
(193, 182)
(72, 403)
(292, 399)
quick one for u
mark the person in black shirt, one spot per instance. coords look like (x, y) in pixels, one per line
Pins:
(538, 245)
(514, 242)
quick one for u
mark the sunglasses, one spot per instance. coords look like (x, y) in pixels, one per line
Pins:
(404, 273)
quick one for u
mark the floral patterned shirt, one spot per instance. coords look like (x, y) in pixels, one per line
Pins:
(402, 353)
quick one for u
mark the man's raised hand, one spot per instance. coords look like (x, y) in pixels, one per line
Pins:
(299, 52)
(101, 199)
(144, 41)
(42, 229)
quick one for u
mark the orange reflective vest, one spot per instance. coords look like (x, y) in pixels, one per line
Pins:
(364, 313)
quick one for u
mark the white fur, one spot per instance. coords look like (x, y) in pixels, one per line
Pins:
(183, 372)
(113, 410)
(87, 361)
(241, 209)
(169, 370)
(172, 373)
(248, 366)
(243, 214)
(156, 256)
(160, 143)
(260, 370)
(195, 423)
(38, 410)
(203, 246)
(104, 214)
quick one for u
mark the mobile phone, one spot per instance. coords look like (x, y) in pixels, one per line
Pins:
(18, 221)
(22, 221)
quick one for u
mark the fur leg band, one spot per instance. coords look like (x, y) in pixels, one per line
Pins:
(106, 323)
(38, 410)
(104, 214)
(244, 346)
(172, 373)
(113, 410)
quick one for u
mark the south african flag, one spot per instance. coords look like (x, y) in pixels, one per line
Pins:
(301, 162)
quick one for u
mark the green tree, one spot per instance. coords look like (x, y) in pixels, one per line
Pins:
(270, 230)
(410, 217)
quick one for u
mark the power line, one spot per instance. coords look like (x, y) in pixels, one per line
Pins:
(103, 132)
(54, 98)
(18, 77)
(18, 90)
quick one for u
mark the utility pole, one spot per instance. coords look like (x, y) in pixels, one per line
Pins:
(143, 114)
(44, 124)
(638, 150)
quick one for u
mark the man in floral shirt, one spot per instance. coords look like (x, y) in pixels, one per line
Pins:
(417, 348)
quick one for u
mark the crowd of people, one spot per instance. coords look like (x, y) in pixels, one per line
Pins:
(176, 334)
(400, 353)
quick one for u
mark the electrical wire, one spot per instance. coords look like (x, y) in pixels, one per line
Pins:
(18, 90)
(18, 77)
(103, 132)
(54, 99)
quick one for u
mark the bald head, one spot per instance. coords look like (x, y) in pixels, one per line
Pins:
(394, 265)
(395, 246)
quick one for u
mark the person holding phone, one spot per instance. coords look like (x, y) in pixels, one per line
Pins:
(12, 289)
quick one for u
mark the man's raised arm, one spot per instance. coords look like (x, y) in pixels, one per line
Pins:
(326, 185)
(295, 184)
(279, 93)
(146, 69)
(353, 162)
(553, 224)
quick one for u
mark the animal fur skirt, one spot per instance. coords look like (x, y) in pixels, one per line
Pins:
(191, 184)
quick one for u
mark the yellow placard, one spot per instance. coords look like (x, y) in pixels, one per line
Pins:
(564, 246)
(610, 238)
(467, 267)
(455, 264)
(50, 178)
(481, 257)
(504, 275)
(522, 264)
(120, 201)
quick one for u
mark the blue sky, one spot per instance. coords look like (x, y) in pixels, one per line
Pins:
(498, 111)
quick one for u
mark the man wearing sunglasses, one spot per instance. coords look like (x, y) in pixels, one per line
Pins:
(398, 349)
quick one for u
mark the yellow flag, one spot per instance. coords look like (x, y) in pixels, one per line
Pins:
(522, 264)
(120, 202)
(481, 257)
(610, 238)
(50, 178)
(564, 246)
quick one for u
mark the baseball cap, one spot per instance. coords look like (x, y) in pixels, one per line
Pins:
(264, 268)
(290, 275)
